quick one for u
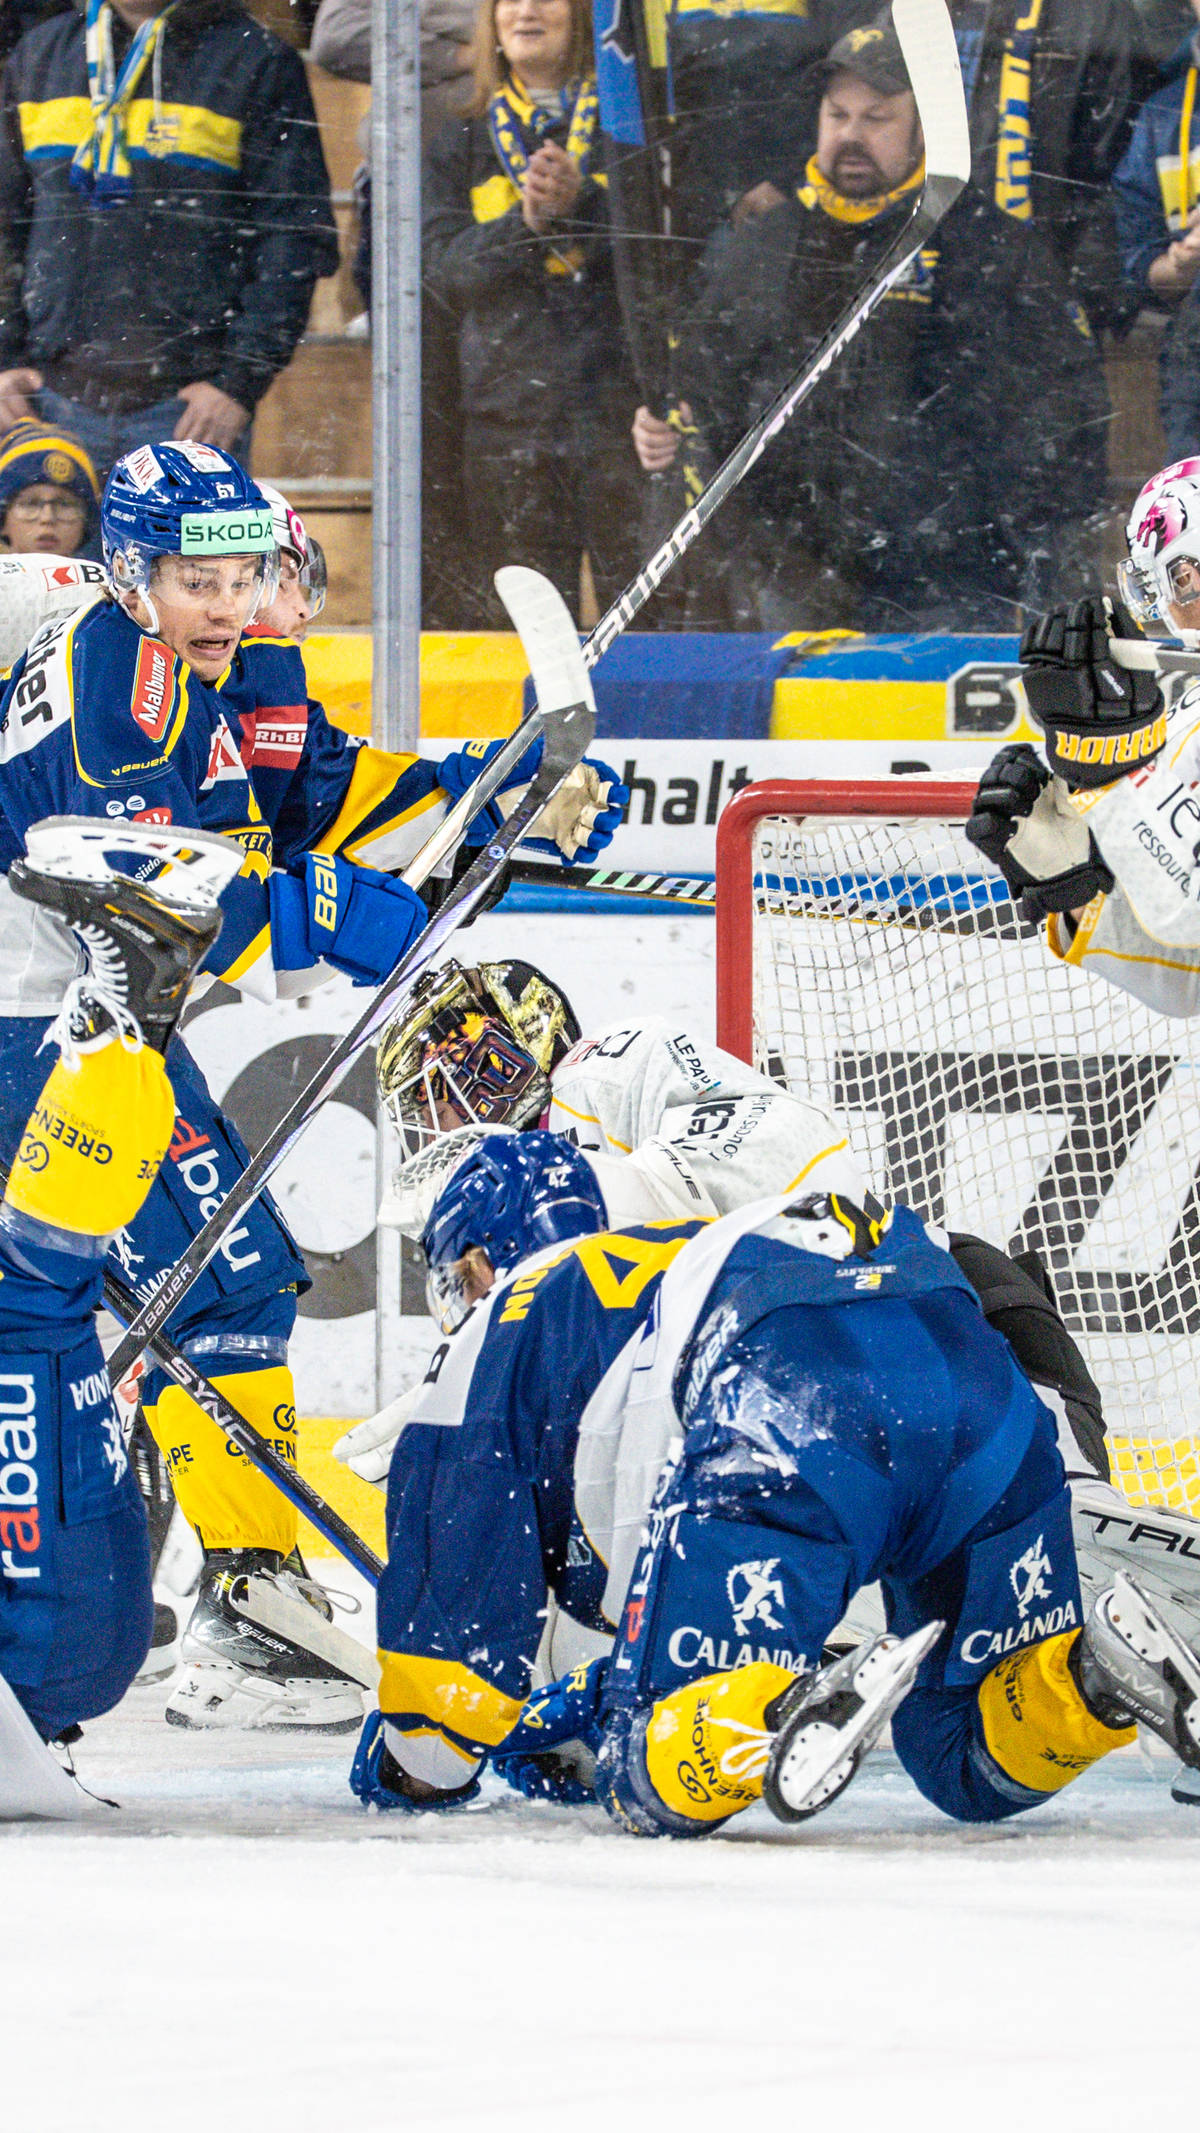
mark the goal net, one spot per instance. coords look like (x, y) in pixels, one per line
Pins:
(869, 960)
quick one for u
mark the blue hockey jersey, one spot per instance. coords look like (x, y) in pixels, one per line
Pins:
(97, 718)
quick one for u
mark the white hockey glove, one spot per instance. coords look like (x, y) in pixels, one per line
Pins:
(367, 1448)
(569, 821)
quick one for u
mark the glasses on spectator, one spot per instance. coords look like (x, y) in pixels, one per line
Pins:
(56, 507)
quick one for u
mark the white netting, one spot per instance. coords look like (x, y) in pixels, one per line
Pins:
(997, 1091)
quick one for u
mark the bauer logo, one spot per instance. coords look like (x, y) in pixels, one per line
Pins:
(226, 533)
(153, 688)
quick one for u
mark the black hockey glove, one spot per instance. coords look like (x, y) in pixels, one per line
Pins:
(1049, 860)
(1100, 720)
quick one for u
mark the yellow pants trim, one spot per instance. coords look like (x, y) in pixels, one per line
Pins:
(467, 1709)
(706, 1745)
(1035, 1723)
(94, 1140)
(228, 1502)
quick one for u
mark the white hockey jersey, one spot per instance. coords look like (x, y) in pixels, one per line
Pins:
(675, 1127)
(1145, 935)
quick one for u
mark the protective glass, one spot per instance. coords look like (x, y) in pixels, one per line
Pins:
(446, 1295)
(1138, 590)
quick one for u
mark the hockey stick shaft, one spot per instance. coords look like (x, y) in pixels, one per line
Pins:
(698, 890)
(927, 38)
(123, 1305)
(567, 736)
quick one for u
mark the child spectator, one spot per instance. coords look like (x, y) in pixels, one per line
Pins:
(49, 494)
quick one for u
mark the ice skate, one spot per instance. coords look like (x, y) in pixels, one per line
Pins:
(142, 939)
(826, 1721)
(1131, 1666)
(261, 1651)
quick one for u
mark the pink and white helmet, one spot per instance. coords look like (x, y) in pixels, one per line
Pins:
(1163, 533)
(292, 537)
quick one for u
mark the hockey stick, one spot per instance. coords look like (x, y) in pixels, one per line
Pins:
(568, 716)
(698, 890)
(927, 41)
(931, 56)
(123, 1305)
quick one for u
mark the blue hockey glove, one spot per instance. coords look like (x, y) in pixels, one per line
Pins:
(378, 1781)
(550, 1751)
(459, 771)
(358, 920)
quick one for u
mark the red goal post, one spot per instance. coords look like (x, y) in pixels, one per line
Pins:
(867, 958)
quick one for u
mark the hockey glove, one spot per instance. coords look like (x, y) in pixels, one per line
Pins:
(550, 1753)
(356, 919)
(1100, 720)
(378, 1781)
(1021, 822)
(577, 824)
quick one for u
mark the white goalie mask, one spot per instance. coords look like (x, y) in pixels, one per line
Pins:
(1161, 577)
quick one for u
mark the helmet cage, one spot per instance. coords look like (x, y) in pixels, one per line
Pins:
(451, 1046)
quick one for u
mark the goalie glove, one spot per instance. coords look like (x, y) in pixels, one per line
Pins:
(1023, 823)
(1100, 720)
(551, 1752)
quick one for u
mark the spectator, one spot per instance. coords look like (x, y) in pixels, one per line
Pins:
(49, 494)
(823, 532)
(167, 230)
(1028, 276)
(741, 83)
(1181, 381)
(516, 243)
(1157, 184)
(341, 43)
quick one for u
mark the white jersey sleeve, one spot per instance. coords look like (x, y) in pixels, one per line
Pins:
(1144, 937)
(702, 1132)
(35, 589)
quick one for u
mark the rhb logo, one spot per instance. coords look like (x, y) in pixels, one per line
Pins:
(1028, 1576)
(152, 688)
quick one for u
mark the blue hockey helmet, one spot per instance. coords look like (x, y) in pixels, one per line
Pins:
(513, 1194)
(183, 499)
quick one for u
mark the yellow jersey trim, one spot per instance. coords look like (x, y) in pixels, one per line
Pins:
(461, 1703)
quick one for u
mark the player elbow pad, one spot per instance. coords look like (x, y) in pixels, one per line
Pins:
(351, 917)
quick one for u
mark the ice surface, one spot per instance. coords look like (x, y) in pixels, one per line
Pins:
(241, 1947)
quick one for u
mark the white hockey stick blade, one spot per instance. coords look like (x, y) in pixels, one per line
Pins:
(32, 1784)
(193, 865)
(927, 40)
(551, 646)
(549, 639)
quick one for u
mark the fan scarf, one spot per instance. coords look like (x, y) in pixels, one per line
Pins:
(513, 118)
(100, 166)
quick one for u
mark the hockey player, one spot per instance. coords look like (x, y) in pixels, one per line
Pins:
(1100, 837)
(75, 1606)
(673, 1126)
(115, 712)
(708, 1438)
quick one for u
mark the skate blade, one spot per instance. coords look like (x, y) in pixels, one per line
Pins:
(811, 1765)
(194, 865)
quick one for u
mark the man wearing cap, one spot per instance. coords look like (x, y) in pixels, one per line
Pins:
(49, 494)
(823, 529)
